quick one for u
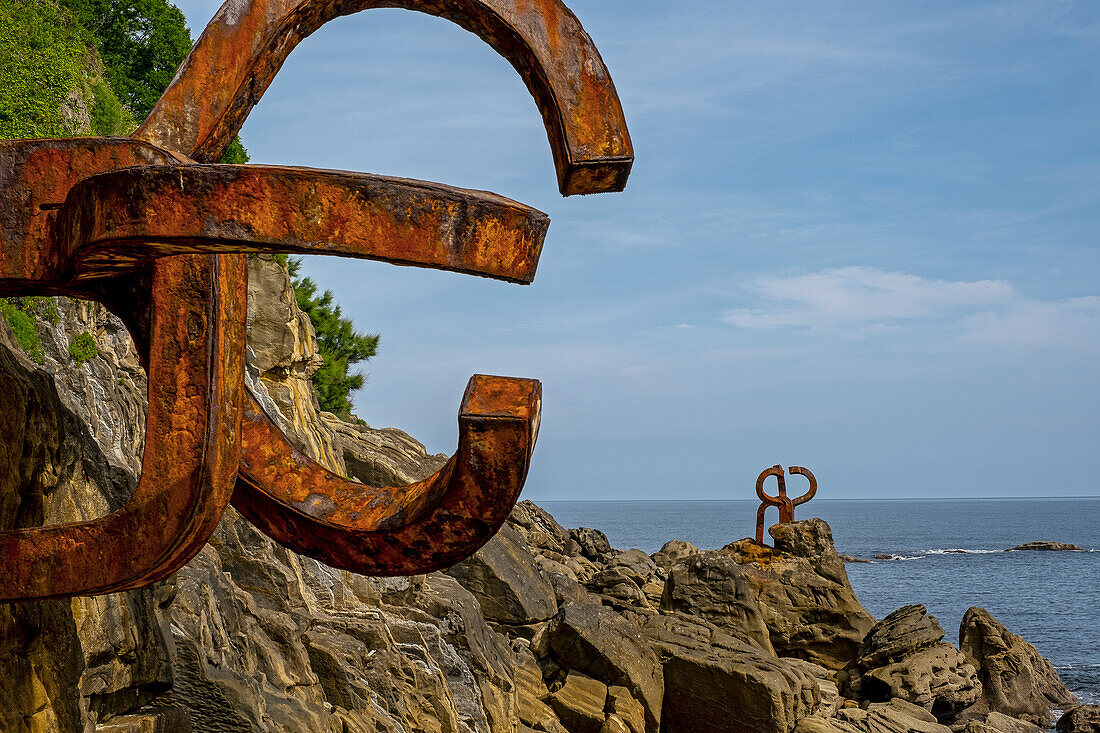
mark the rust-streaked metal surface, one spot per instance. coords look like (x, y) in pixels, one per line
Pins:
(418, 528)
(35, 179)
(114, 219)
(246, 43)
(781, 501)
(140, 225)
(192, 447)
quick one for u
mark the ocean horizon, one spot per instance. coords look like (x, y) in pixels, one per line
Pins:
(947, 554)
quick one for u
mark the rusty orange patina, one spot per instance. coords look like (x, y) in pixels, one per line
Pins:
(784, 503)
(248, 40)
(144, 226)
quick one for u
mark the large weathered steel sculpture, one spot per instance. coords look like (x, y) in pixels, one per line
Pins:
(149, 227)
(784, 503)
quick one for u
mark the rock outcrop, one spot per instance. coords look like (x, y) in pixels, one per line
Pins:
(793, 600)
(1047, 546)
(904, 657)
(1016, 679)
(1080, 719)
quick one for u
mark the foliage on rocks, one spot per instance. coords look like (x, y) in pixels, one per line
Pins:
(83, 347)
(22, 325)
(341, 346)
(141, 42)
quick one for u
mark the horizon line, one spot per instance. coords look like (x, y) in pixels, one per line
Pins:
(837, 498)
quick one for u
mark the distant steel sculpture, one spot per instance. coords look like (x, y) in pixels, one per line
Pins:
(151, 228)
(784, 503)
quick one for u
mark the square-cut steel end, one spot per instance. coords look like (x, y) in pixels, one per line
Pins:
(508, 398)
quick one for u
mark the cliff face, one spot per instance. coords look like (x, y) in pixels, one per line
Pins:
(543, 629)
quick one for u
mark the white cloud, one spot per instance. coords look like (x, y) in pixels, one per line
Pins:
(863, 295)
(863, 302)
(1067, 323)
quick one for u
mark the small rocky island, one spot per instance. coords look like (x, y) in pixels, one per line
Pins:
(544, 629)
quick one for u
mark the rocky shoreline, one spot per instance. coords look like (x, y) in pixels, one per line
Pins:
(544, 629)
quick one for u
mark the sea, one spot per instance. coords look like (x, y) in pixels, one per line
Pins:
(948, 554)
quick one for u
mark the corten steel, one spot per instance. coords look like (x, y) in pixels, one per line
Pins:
(784, 503)
(147, 227)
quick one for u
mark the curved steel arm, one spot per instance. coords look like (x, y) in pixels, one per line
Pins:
(776, 471)
(813, 484)
(786, 508)
(247, 41)
(112, 220)
(416, 528)
(192, 448)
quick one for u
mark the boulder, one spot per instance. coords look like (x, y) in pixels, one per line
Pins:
(580, 703)
(672, 552)
(596, 641)
(1047, 546)
(794, 600)
(617, 588)
(539, 528)
(506, 580)
(1016, 679)
(636, 565)
(593, 543)
(717, 683)
(614, 724)
(903, 656)
(1080, 719)
(621, 704)
(901, 634)
(564, 582)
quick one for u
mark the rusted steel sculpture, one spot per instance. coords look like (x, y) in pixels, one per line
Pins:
(784, 503)
(149, 227)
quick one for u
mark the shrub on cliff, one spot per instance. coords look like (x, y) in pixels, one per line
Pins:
(340, 345)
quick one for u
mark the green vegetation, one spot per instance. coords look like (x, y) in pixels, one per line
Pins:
(235, 154)
(337, 340)
(43, 58)
(20, 317)
(49, 74)
(141, 42)
(83, 347)
(115, 58)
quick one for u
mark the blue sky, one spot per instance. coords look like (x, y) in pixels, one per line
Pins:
(859, 237)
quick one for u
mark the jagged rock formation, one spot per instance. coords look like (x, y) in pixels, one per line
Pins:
(1016, 679)
(904, 656)
(544, 629)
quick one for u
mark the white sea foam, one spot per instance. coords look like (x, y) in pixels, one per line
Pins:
(959, 551)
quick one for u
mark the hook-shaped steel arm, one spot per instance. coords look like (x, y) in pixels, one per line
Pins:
(416, 528)
(247, 41)
(196, 329)
(812, 492)
(776, 471)
(780, 500)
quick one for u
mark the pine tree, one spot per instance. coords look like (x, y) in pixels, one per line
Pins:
(341, 346)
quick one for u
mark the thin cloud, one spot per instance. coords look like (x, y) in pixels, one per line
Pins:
(864, 302)
(863, 295)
